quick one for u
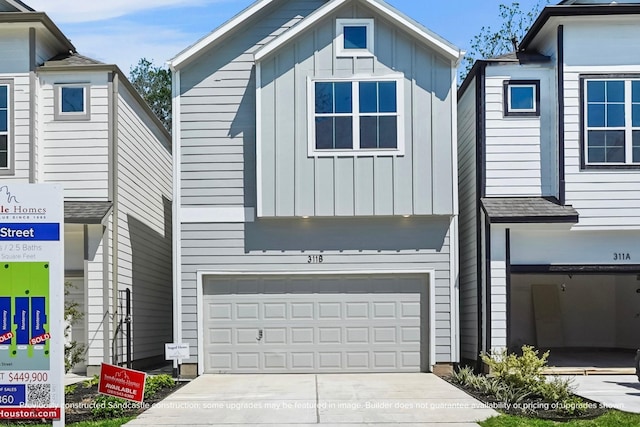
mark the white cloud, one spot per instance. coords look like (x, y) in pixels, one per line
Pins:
(65, 11)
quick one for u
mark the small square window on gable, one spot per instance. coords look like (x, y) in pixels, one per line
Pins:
(72, 102)
(522, 98)
(354, 37)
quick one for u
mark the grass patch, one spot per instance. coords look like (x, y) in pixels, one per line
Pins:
(116, 422)
(610, 419)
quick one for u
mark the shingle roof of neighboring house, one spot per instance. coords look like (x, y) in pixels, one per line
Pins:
(71, 58)
(527, 209)
(86, 212)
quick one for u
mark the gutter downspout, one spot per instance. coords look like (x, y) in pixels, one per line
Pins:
(176, 222)
(32, 107)
(116, 208)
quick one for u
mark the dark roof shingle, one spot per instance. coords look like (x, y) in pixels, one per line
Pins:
(86, 212)
(528, 210)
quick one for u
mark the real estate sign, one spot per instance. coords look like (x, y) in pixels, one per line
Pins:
(31, 301)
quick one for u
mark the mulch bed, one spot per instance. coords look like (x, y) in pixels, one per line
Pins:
(535, 408)
(80, 403)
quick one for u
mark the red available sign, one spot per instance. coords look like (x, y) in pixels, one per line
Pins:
(122, 382)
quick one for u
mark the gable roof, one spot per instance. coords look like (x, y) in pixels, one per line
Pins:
(17, 5)
(579, 8)
(413, 27)
(382, 7)
(197, 48)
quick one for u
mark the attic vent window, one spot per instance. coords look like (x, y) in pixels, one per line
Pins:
(354, 37)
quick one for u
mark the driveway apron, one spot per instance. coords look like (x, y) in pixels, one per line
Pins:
(307, 400)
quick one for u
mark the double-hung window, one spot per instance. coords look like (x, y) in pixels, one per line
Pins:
(611, 122)
(356, 117)
(5, 126)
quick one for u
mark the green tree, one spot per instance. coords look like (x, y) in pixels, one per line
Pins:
(489, 43)
(153, 83)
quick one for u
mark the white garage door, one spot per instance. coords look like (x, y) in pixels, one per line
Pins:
(316, 324)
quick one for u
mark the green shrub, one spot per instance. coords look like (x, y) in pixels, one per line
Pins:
(462, 376)
(91, 382)
(109, 407)
(517, 372)
(157, 382)
(555, 389)
(572, 406)
(68, 389)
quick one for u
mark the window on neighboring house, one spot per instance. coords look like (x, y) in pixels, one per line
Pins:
(522, 98)
(351, 117)
(354, 37)
(72, 102)
(5, 120)
(611, 135)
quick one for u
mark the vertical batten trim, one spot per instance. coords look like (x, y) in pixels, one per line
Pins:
(32, 106)
(561, 143)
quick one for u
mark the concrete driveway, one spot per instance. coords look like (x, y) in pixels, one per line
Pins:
(615, 391)
(307, 400)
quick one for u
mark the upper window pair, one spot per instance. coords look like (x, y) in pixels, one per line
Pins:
(612, 121)
(356, 116)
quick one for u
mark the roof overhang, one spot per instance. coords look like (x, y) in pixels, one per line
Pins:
(20, 6)
(86, 212)
(527, 210)
(37, 18)
(194, 50)
(575, 10)
(439, 44)
(415, 29)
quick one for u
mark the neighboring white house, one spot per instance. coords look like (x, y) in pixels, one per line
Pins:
(316, 206)
(68, 119)
(549, 160)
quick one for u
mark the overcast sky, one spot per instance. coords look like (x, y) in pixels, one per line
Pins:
(123, 31)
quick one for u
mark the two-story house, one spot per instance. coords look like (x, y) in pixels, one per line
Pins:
(549, 160)
(67, 119)
(315, 187)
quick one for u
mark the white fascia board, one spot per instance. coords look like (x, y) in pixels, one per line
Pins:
(417, 30)
(449, 50)
(218, 33)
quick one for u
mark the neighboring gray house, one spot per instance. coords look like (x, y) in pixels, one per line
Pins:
(315, 192)
(549, 151)
(67, 119)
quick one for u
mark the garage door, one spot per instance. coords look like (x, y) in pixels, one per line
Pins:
(316, 324)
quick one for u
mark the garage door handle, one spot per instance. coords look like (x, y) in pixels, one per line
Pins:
(260, 334)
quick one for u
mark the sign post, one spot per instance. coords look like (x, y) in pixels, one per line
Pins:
(32, 302)
(176, 352)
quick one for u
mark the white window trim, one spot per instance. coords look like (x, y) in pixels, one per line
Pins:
(522, 110)
(78, 115)
(354, 53)
(628, 119)
(9, 170)
(356, 151)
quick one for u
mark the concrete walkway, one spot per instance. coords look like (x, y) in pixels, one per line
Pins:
(308, 400)
(615, 391)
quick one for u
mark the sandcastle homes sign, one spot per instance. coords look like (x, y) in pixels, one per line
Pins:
(31, 302)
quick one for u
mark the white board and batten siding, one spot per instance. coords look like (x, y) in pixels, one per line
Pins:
(294, 184)
(467, 178)
(605, 199)
(520, 151)
(144, 224)
(76, 153)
